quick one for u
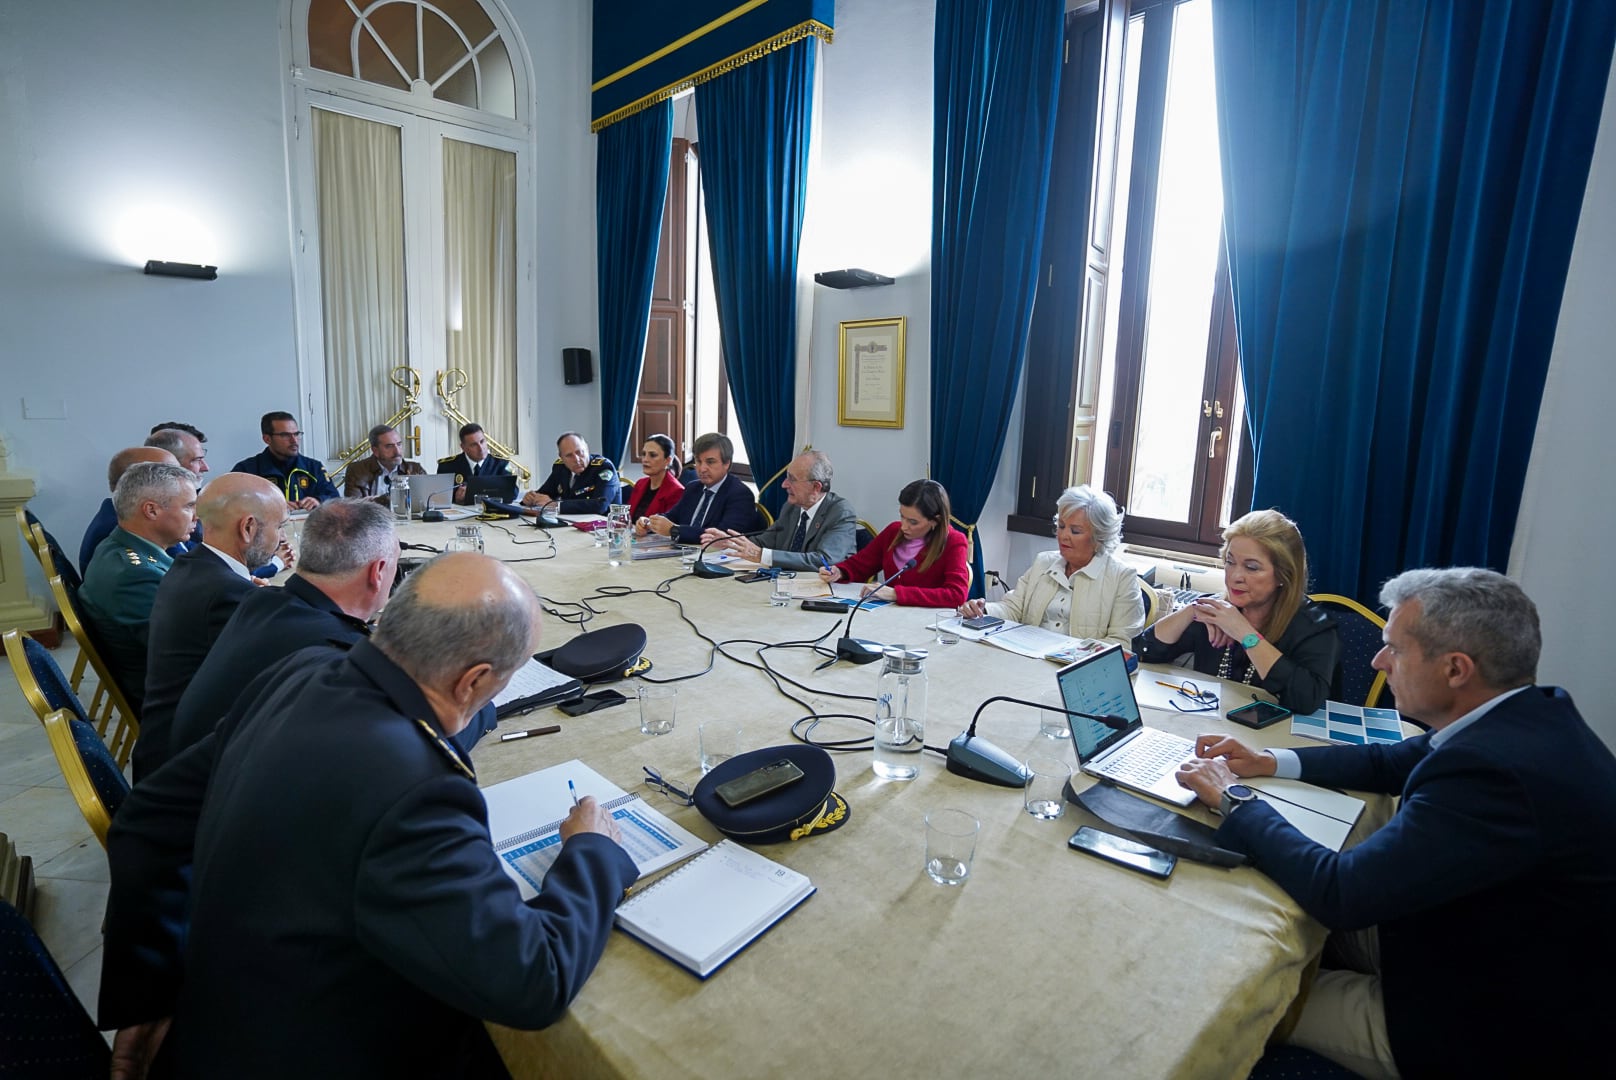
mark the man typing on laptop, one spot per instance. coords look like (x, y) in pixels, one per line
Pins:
(1487, 897)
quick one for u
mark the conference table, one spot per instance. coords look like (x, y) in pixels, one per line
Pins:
(1046, 962)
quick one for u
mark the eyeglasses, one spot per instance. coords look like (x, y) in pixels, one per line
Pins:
(1199, 700)
(678, 795)
(286, 434)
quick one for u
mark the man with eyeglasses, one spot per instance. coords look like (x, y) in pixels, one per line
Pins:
(302, 480)
(815, 529)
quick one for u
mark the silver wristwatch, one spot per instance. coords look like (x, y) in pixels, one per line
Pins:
(1235, 795)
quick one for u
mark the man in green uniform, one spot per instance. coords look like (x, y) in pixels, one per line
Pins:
(156, 507)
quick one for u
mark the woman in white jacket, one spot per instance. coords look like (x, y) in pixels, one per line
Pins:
(1081, 590)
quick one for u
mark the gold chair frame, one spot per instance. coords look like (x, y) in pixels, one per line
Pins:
(59, 729)
(37, 541)
(108, 710)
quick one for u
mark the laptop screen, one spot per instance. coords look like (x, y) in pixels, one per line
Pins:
(1098, 684)
(438, 487)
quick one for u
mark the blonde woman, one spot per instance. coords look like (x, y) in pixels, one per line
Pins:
(1263, 630)
(1081, 589)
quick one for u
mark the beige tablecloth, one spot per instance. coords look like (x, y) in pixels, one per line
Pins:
(1046, 963)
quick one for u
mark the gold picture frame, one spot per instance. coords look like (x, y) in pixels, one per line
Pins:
(869, 373)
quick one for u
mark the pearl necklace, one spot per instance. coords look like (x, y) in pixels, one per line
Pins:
(1226, 662)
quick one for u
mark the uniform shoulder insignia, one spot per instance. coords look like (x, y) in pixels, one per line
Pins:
(447, 460)
(445, 749)
(132, 555)
(556, 462)
(607, 472)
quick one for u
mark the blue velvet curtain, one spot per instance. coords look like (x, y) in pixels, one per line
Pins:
(997, 72)
(753, 126)
(1402, 183)
(631, 186)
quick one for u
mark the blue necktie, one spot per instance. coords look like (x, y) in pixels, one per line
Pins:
(702, 507)
(799, 537)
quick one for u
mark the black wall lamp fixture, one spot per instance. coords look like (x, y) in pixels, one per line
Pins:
(184, 270)
(851, 279)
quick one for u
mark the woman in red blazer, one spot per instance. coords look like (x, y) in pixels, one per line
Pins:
(660, 490)
(941, 574)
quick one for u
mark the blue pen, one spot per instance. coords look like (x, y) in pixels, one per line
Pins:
(574, 791)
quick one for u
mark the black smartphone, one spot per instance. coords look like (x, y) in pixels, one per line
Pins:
(1259, 714)
(824, 605)
(600, 699)
(982, 622)
(755, 575)
(1133, 855)
(758, 783)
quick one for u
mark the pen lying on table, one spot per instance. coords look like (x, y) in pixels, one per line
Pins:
(511, 736)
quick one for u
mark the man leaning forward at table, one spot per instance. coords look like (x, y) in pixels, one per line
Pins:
(1482, 909)
(347, 913)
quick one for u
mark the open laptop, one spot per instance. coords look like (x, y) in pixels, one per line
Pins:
(1143, 759)
(438, 487)
(499, 488)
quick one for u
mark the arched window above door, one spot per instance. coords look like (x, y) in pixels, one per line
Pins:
(448, 51)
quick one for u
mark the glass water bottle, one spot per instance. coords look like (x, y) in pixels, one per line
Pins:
(900, 713)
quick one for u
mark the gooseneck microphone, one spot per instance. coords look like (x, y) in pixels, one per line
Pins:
(977, 759)
(429, 514)
(857, 650)
(701, 568)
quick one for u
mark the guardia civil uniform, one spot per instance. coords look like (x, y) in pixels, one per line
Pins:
(120, 585)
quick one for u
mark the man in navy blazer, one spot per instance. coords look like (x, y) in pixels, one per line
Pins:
(1491, 888)
(717, 501)
(244, 515)
(345, 913)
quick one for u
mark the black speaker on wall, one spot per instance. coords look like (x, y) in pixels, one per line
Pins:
(577, 367)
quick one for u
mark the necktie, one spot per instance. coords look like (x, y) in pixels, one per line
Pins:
(701, 508)
(477, 469)
(799, 536)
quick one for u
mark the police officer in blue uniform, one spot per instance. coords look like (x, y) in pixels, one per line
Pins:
(474, 459)
(578, 482)
(301, 479)
(294, 920)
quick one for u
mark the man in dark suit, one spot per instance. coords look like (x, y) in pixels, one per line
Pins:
(372, 477)
(717, 501)
(243, 516)
(474, 459)
(300, 478)
(347, 928)
(1488, 895)
(813, 531)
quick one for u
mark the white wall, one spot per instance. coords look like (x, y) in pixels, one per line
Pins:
(104, 117)
(1563, 541)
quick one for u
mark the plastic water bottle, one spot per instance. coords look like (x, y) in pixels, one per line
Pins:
(900, 713)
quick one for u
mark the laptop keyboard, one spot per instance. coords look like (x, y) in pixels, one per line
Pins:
(1147, 759)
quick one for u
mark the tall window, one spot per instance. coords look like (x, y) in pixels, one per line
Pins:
(410, 154)
(1150, 362)
(684, 389)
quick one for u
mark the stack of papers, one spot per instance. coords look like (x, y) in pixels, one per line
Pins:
(525, 816)
(1350, 725)
(534, 686)
(1024, 639)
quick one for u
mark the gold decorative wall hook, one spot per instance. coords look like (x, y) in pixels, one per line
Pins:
(408, 380)
(450, 383)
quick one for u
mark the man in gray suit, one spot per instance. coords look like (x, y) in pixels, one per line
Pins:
(815, 529)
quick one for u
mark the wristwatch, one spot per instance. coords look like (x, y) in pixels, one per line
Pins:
(1250, 640)
(1233, 796)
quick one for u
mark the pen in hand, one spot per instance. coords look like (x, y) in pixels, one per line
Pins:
(574, 790)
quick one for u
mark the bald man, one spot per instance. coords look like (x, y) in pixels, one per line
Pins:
(106, 518)
(347, 928)
(242, 517)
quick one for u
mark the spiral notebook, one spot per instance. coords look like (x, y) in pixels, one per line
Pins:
(713, 906)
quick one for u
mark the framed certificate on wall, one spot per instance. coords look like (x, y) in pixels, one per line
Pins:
(870, 374)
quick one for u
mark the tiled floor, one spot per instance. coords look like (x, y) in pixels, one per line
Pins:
(70, 868)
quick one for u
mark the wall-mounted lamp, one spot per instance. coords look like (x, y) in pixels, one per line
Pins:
(185, 270)
(851, 279)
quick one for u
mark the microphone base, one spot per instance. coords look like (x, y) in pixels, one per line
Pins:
(858, 650)
(702, 570)
(977, 759)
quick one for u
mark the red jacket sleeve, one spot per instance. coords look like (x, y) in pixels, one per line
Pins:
(945, 583)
